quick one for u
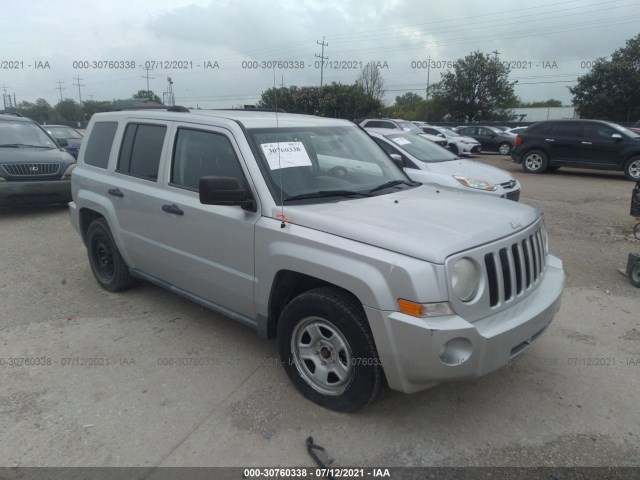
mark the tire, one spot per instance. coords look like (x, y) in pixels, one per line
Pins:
(634, 275)
(110, 270)
(535, 161)
(504, 148)
(636, 231)
(326, 326)
(632, 169)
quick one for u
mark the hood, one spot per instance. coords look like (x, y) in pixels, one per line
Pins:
(34, 155)
(427, 222)
(469, 168)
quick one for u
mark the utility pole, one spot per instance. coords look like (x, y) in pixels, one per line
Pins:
(148, 77)
(170, 99)
(322, 58)
(4, 96)
(426, 101)
(282, 81)
(59, 87)
(495, 53)
(79, 85)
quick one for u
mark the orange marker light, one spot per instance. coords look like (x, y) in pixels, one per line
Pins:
(410, 308)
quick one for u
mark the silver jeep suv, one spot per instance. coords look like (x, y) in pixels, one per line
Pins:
(304, 229)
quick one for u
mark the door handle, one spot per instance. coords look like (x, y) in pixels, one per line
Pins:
(549, 139)
(174, 209)
(115, 192)
(586, 143)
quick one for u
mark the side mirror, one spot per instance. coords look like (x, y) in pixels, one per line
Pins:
(62, 142)
(224, 191)
(616, 137)
(397, 159)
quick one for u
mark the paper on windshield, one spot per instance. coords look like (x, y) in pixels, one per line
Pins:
(400, 141)
(286, 155)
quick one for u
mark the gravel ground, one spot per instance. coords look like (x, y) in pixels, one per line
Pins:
(124, 407)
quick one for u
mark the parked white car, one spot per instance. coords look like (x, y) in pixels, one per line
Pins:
(428, 163)
(458, 144)
(402, 125)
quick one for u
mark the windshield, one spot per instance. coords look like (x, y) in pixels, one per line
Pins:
(62, 132)
(449, 133)
(624, 130)
(319, 160)
(409, 127)
(24, 134)
(421, 148)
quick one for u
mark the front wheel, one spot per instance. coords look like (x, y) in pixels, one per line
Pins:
(634, 275)
(109, 268)
(535, 161)
(504, 148)
(632, 169)
(327, 349)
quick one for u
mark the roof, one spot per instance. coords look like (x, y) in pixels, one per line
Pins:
(14, 118)
(248, 118)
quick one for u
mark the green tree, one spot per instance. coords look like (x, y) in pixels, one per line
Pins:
(477, 89)
(89, 107)
(552, 102)
(69, 110)
(147, 94)
(40, 111)
(333, 100)
(611, 89)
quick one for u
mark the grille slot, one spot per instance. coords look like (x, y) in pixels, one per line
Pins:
(513, 269)
(31, 169)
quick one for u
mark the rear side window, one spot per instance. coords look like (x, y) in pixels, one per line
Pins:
(99, 144)
(566, 130)
(379, 124)
(141, 149)
(201, 154)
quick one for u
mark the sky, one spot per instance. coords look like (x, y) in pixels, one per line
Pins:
(222, 53)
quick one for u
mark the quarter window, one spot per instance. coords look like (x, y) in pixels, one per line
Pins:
(99, 144)
(141, 149)
(201, 154)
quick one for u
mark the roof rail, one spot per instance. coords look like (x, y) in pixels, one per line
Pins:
(15, 114)
(168, 108)
(279, 110)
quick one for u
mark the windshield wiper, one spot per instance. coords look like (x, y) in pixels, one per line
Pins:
(17, 145)
(393, 183)
(327, 193)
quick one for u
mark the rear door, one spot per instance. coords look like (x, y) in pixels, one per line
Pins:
(134, 193)
(564, 140)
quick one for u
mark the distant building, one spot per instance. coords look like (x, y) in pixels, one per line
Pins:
(537, 114)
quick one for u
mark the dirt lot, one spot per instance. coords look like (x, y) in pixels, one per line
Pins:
(103, 394)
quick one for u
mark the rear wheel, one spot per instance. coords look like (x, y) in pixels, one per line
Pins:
(634, 274)
(632, 169)
(535, 161)
(504, 148)
(327, 350)
(110, 270)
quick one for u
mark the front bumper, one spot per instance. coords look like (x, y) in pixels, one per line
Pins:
(412, 349)
(34, 192)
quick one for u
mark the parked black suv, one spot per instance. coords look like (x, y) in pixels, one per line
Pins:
(33, 167)
(594, 144)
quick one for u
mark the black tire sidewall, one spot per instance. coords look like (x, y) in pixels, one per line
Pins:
(634, 268)
(347, 318)
(120, 279)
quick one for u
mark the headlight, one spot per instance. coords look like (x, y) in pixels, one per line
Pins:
(465, 279)
(476, 183)
(67, 172)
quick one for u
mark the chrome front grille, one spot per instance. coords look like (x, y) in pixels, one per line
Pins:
(511, 269)
(31, 169)
(514, 269)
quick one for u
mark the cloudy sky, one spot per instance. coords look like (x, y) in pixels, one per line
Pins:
(226, 48)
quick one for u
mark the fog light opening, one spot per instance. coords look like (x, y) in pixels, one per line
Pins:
(456, 352)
